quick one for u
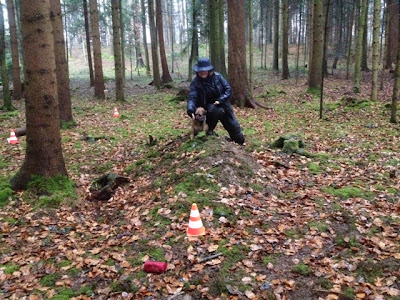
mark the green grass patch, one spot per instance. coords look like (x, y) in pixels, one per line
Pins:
(49, 279)
(9, 268)
(347, 192)
(314, 168)
(5, 191)
(370, 270)
(322, 227)
(302, 269)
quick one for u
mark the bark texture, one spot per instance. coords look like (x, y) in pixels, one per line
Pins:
(43, 141)
(64, 95)
(119, 82)
(16, 70)
(98, 64)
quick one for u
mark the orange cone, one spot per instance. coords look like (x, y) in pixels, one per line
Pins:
(12, 139)
(195, 227)
(116, 113)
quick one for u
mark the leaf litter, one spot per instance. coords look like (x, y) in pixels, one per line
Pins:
(282, 226)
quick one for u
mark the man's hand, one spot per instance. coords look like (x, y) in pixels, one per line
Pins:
(193, 117)
(216, 102)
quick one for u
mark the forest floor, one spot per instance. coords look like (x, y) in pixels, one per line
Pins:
(278, 226)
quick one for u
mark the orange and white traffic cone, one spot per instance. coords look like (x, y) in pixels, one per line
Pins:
(13, 138)
(195, 227)
(116, 113)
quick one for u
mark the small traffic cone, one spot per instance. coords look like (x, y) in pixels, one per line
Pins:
(116, 113)
(195, 227)
(12, 139)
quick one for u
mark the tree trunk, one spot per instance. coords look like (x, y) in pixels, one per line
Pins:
(87, 32)
(221, 12)
(64, 95)
(251, 50)
(364, 57)
(119, 85)
(43, 140)
(315, 69)
(165, 77)
(214, 34)
(98, 65)
(146, 50)
(375, 50)
(393, 114)
(16, 70)
(7, 105)
(393, 33)
(237, 48)
(154, 46)
(350, 40)
(358, 55)
(285, 38)
(275, 63)
(122, 38)
(194, 51)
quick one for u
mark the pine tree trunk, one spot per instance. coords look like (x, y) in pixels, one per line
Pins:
(315, 69)
(16, 70)
(165, 77)
(64, 95)
(98, 64)
(146, 50)
(285, 38)
(7, 105)
(393, 33)
(393, 113)
(364, 57)
(88, 47)
(375, 50)
(237, 48)
(221, 13)
(154, 46)
(358, 54)
(119, 85)
(43, 140)
(275, 59)
(251, 50)
(122, 38)
(214, 34)
(194, 50)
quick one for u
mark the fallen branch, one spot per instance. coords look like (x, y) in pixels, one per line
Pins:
(208, 258)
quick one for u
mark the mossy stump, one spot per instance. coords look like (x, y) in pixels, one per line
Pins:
(292, 143)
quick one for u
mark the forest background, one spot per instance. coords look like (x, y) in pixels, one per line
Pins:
(308, 208)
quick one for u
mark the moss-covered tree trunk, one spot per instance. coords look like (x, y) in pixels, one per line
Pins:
(43, 140)
(358, 54)
(119, 83)
(194, 49)
(7, 105)
(16, 70)
(375, 50)
(214, 34)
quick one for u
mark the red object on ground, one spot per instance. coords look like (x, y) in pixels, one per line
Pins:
(157, 267)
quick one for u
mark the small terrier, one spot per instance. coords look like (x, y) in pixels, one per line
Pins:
(199, 122)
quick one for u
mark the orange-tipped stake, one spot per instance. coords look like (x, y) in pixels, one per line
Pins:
(13, 138)
(195, 227)
(116, 113)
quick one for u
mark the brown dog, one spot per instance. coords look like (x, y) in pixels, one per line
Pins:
(199, 122)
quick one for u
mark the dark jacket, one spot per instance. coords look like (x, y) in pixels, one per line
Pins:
(209, 90)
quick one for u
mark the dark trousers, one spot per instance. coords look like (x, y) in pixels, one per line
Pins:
(225, 114)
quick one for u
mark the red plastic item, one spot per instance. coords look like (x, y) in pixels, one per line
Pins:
(157, 267)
